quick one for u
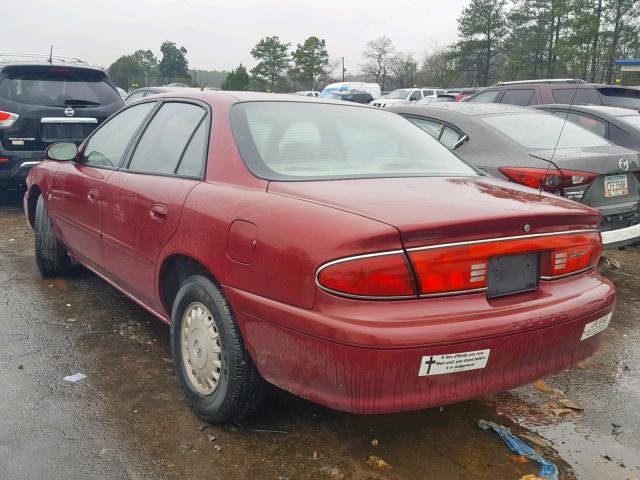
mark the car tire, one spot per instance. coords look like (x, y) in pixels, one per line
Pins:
(203, 325)
(51, 255)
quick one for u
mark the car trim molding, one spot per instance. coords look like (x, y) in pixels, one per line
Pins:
(69, 120)
(501, 239)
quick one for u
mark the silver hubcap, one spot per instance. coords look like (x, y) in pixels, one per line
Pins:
(200, 345)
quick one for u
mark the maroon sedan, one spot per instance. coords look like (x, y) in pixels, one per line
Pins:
(324, 247)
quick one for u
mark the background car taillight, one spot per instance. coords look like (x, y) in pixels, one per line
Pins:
(379, 275)
(7, 119)
(551, 180)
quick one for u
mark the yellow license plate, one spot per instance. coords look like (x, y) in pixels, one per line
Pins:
(615, 186)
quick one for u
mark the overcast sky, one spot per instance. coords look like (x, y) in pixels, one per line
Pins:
(220, 34)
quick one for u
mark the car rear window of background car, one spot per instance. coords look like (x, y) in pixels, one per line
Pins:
(57, 87)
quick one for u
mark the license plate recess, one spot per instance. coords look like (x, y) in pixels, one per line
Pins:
(511, 274)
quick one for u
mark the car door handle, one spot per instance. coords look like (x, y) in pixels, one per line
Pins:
(92, 195)
(158, 212)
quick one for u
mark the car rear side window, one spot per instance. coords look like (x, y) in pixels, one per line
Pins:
(192, 162)
(449, 137)
(446, 135)
(107, 145)
(432, 128)
(58, 87)
(316, 141)
(575, 95)
(166, 138)
(518, 96)
(485, 97)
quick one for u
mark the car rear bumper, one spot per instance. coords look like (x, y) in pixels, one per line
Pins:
(381, 378)
(15, 170)
(621, 236)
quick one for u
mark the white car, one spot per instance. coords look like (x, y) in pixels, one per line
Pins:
(308, 93)
(406, 95)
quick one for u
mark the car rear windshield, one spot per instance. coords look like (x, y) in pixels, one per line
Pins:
(621, 101)
(633, 120)
(316, 141)
(57, 87)
(540, 131)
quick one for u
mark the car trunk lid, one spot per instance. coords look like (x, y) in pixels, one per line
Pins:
(435, 210)
(615, 190)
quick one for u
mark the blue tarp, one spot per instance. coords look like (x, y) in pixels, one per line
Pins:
(547, 469)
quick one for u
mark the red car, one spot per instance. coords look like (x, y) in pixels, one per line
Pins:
(324, 247)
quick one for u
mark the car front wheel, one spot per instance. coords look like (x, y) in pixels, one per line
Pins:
(209, 354)
(51, 256)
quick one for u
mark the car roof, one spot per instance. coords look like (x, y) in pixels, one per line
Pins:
(232, 97)
(464, 108)
(613, 111)
(29, 59)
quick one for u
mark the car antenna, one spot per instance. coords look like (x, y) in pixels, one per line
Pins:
(553, 154)
(51, 55)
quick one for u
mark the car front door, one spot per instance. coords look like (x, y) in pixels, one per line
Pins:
(78, 187)
(145, 197)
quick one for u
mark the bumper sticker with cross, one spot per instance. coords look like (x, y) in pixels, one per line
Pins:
(453, 362)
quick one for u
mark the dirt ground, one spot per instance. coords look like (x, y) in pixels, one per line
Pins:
(128, 419)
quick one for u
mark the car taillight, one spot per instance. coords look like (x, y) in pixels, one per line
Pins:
(460, 268)
(7, 118)
(386, 275)
(551, 179)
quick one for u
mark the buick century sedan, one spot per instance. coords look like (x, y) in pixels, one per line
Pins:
(331, 249)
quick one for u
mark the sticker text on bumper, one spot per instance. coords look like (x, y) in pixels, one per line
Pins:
(592, 328)
(453, 362)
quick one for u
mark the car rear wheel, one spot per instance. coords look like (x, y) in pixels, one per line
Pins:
(51, 256)
(209, 354)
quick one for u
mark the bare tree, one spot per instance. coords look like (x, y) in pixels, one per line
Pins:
(404, 69)
(378, 59)
(439, 68)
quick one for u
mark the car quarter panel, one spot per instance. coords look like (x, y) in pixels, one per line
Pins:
(292, 239)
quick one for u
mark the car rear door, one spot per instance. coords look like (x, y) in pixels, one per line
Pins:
(77, 194)
(144, 199)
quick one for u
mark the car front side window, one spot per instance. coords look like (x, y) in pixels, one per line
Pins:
(106, 147)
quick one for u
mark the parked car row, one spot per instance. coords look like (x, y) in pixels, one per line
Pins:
(372, 260)
(543, 151)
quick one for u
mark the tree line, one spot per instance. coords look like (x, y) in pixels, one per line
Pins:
(528, 39)
(498, 40)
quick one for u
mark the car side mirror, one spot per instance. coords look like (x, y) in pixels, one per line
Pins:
(62, 151)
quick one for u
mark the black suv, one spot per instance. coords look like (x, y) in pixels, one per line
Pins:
(357, 96)
(536, 92)
(43, 100)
